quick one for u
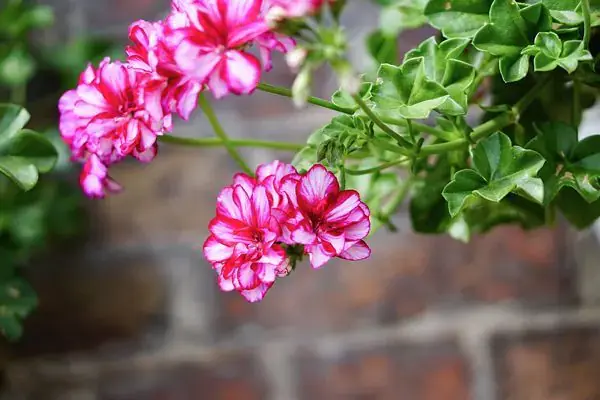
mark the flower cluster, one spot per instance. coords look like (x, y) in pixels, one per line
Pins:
(119, 109)
(262, 221)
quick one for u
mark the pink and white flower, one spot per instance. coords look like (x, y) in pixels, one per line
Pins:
(281, 9)
(94, 178)
(330, 222)
(151, 52)
(111, 115)
(243, 246)
(212, 48)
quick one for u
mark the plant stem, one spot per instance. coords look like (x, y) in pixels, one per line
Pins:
(438, 133)
(216, 142)
(398, 198)
(281, 91)
(576, 109)
(377, 168)
(18, 95)
(493, 125)
(587, 22)
(373, 117)
(214, 122)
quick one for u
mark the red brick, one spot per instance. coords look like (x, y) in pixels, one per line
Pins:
(415, 372)
(173, 195)
(85, 303)
(408, 274)
(230, 377)
(558, 365)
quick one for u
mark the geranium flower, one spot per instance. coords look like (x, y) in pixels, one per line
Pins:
(212, 48)
(329, 222)
(242, 246)
(111, 115)
(152, 53)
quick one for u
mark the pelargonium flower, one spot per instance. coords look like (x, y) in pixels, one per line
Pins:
(152, 53)
(294, 8)
(94, 178)
(212, 47)
(111, 115)
(259, 217)
(330, 222)
(243, 246)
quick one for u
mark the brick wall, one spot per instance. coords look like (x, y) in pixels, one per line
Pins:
(135, 314)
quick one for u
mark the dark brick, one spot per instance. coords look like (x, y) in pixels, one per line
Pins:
(86, 302)
(410, 273)
(553, 365)
(173, 195)
(229, 377)
(409, 371)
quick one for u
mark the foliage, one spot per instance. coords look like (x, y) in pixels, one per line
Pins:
(35, 211)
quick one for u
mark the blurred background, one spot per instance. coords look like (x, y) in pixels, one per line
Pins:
(129, 310)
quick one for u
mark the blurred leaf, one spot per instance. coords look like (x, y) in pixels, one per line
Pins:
(17, 300)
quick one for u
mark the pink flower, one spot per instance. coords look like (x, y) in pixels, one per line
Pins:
(152, 53)
(294, 8)
(243, 246)
(111, 115)
(330, 223)
(94, 178)
(212, 47)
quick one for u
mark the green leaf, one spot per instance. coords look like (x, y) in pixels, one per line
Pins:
(17, 300)
(579, 212)
(400, 15)
(442, 66)
(16, 68)
(511, 29)
(383, 48)
(406, 91)
(12, 119)
(342, 99)
(19, 170)
(550, 52)
(498, 169)
(569, 163)
(565, 11)
(23, 153)
(458, 18)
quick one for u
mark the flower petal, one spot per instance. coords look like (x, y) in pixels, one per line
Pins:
(317, 186)
(359, 251)
(241, 72)
(345, 203)
(214, 251)
(317, 256)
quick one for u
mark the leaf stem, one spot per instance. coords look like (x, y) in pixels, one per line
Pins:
(438, 133)
(378, 168)
(576, 110)
(216, 142)
(493, 125)
(373, 117)
(587, 22)
(281, 91)
(216, 125)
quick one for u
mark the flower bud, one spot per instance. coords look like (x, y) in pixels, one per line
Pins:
(301, 87)
(296, 57)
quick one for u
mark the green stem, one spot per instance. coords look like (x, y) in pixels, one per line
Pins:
(378, 168)
(373, 117)
(440, 134)
(214, 122)
(281, 91)
(398, 198)
(587, 22)
(216, 142)
(480, 132)
(576, 110)
(18, 95)
(491, 126)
